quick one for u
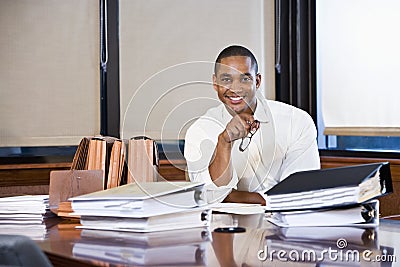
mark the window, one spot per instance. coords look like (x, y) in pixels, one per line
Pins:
(358, 66)
(49, 92)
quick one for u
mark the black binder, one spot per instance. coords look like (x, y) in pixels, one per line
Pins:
(331, 187)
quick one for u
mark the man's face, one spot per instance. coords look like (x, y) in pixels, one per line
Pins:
(236, 83)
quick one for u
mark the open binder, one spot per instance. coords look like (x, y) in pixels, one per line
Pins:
(326, 188)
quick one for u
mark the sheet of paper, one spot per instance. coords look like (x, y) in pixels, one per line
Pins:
(238, 208)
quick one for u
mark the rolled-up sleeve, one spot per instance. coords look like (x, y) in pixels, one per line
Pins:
(199, 150)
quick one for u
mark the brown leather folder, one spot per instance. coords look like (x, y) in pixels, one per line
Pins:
(70, 183)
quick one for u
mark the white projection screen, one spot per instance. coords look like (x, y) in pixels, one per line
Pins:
(358, 66)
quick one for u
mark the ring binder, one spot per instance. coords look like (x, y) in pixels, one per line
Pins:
(327, 188)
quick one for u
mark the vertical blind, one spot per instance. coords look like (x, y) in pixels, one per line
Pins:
(358, 66)
(49, 76)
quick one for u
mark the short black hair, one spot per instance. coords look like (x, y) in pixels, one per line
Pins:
(236, 50)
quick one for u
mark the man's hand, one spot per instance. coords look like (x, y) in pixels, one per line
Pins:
(238, 127)
(245, 197)
(220, 168)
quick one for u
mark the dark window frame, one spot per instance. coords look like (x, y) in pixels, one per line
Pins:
(109, 82)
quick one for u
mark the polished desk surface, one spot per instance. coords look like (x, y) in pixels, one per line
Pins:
(262, 244)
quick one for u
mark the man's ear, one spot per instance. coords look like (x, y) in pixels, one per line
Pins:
(215, 82)
(258, 80)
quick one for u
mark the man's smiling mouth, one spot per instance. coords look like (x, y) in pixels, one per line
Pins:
(235, 98)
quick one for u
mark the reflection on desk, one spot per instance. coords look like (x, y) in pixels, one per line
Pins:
(128, 254)
(156, 248)
(321, 245)
(263, 244)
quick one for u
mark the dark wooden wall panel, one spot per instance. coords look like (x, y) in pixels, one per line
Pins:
(173, 170)
(16, 179)
(29, 174)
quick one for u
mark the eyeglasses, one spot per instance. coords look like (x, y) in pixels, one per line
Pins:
(246, 140)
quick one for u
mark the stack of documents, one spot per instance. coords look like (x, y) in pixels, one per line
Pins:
(144, 207)
(363, 215)
(336, 196)
(24, 215)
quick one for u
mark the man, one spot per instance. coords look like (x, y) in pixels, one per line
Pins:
(247, 144)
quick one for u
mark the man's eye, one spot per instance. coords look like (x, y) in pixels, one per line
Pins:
(225, 80)
(246, 79)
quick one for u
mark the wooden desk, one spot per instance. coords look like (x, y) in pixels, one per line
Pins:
(17, 179)
(244, 249)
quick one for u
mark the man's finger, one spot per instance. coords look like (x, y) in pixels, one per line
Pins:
(246, 117)
(255, 125)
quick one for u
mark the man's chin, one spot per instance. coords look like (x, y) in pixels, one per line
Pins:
(236, 109)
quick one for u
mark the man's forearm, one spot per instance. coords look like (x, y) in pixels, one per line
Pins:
(220, 168)
(245, 197)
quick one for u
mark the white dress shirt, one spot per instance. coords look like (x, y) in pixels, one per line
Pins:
(285, 143)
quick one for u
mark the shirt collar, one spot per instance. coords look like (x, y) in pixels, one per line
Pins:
(262, 110)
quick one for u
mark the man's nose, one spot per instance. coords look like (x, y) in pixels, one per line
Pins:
(236, 86)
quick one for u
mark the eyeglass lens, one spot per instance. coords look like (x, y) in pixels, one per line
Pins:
(246, 140)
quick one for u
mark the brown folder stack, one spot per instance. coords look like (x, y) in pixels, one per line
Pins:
(94, 153)
(142, 160)
(100, 157)
(110, 154)
(105, 158)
